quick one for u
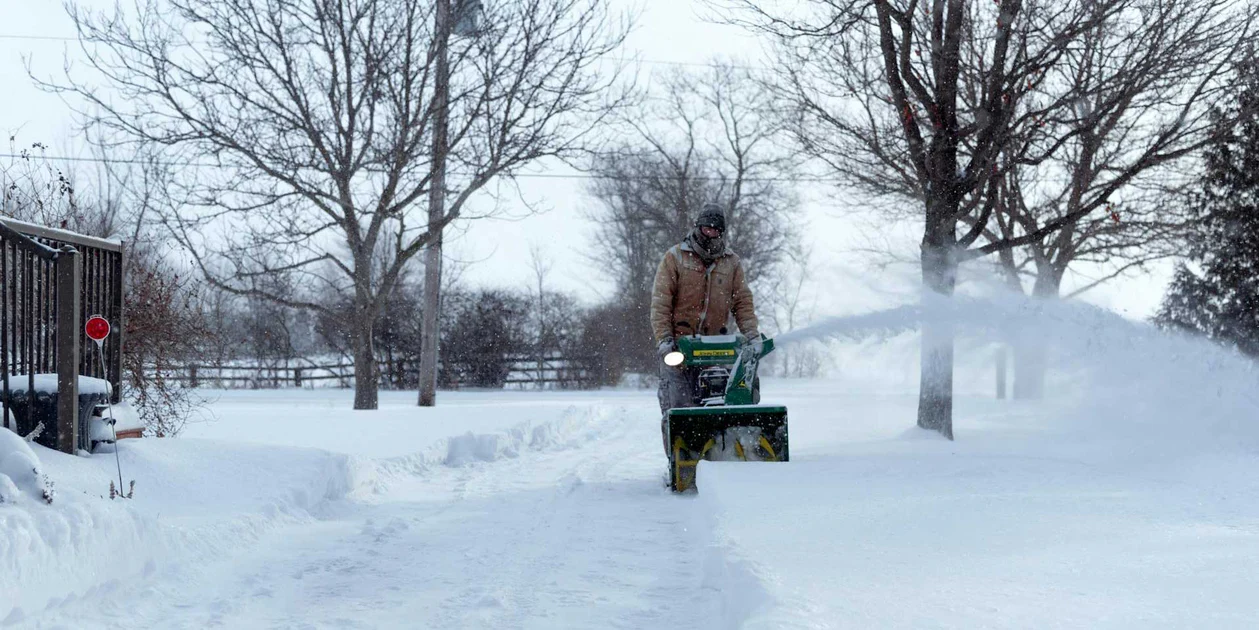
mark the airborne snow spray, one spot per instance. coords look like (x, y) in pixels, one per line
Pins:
(997, 314)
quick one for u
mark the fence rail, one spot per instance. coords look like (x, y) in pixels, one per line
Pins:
(554, 370)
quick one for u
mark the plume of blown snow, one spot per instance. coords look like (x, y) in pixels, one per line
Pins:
(1108, 376)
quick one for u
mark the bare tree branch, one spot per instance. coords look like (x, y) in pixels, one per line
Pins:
(319, 113)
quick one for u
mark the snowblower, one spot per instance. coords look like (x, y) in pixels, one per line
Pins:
(726, 423)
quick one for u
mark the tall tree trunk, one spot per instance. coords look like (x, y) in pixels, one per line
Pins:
(939, 277)
(430, 337)
(366, 385)
(1031, 349)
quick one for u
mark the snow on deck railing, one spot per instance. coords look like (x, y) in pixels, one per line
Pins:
(64, 236)
(19, 383)
(14, 233)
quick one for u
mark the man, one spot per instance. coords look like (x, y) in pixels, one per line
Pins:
(699, 285)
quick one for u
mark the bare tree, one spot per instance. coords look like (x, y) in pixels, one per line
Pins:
(309, 125)
(1147, 80)
(32, 189)
(164, 327)
(716, 132)
(704, 136)
(917, 100)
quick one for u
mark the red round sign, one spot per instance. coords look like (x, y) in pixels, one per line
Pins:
(97, 328)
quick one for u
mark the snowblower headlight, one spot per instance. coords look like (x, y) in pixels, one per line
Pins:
(674, 359)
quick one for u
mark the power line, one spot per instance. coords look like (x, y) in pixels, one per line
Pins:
(577, 176)
(650, 62)
(49, 38)
(100, 160)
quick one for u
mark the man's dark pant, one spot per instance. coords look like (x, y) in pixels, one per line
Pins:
(677, 389)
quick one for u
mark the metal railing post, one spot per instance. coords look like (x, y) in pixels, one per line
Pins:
(119, 322)
(68, 349)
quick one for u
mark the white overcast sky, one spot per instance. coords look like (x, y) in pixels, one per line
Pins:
(666, 31)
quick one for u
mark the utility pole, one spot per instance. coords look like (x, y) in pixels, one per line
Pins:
(446, 24)
(429, 337)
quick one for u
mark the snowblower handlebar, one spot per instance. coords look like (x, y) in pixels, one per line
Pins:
(732, 352)
(709, 350)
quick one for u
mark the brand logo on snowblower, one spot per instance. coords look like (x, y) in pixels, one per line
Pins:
(714, 353)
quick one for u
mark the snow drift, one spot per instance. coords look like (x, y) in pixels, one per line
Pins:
(21, 476)
(193, 499)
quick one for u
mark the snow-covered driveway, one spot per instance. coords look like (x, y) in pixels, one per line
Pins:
(572, 528)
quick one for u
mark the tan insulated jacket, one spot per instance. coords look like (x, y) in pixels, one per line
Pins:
(689, 298)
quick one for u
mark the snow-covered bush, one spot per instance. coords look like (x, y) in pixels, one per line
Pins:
(20, 472)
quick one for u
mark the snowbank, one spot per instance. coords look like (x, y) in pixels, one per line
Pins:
(55, 554)
(569, 428)
(193, 499)
(21, 476)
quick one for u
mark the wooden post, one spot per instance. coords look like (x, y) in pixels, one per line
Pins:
(192, 377)
(68, 349)
(297, 377)
(1001, 371)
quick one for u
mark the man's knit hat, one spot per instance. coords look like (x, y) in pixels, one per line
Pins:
(711, 216)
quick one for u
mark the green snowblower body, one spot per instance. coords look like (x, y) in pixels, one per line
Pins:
(726, 423)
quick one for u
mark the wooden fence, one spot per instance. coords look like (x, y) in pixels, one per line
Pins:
(556, 371)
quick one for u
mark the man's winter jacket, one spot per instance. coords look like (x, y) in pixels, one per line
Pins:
(690, 297)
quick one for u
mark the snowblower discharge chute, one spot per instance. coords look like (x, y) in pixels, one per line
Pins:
(726, 422)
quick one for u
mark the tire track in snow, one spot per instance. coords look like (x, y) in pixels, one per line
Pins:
(610, 530)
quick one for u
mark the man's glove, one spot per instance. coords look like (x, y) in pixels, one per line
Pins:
(666, 346)
(755, 345)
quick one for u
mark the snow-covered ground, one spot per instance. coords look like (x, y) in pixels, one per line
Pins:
(1129, 500)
